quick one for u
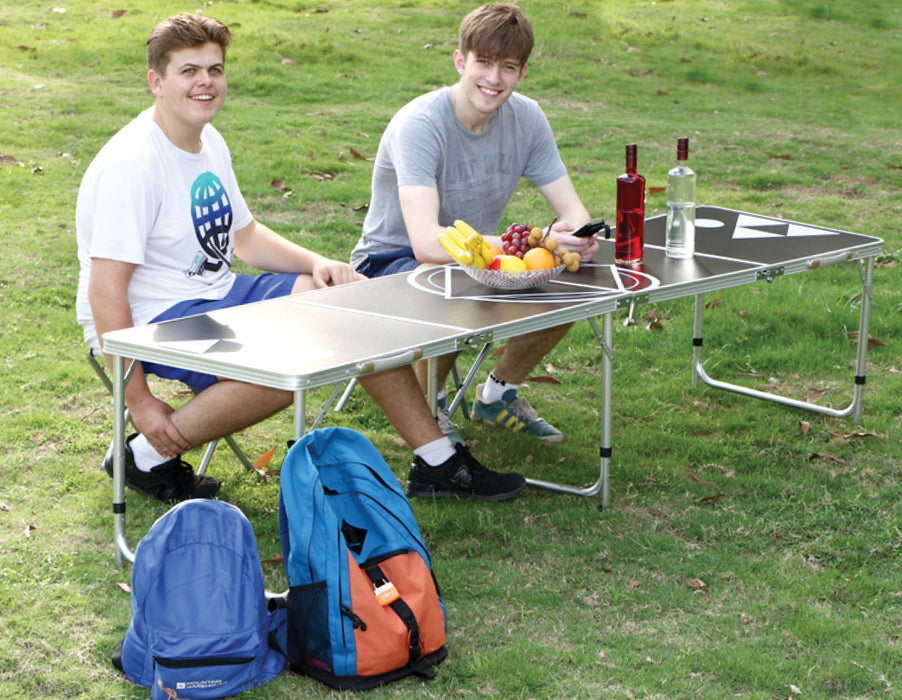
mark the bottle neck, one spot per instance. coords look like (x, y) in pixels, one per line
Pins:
(631, 159)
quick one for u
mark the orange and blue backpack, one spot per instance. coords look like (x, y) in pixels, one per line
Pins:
(363, 604)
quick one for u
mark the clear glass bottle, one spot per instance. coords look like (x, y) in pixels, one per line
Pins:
(630, 237)
(680, 232)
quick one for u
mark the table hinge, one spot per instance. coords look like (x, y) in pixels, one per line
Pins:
(476, 339)
(771, 272)
(635, 299)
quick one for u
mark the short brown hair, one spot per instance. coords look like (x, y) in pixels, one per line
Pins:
(183, 31)
(497, 30)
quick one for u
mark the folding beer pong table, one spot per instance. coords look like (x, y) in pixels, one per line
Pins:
(331, 335)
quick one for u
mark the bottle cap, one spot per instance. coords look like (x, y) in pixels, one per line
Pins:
(630, 156)
(683, 148)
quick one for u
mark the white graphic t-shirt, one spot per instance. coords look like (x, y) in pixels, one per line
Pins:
(172, 213)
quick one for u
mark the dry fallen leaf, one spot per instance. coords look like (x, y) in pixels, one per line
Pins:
(544, 379)
(260, 463)
(829, 458)
(854, 434)
(715, 497)
(656, 190)
(289, 62)
(854, 335)
(699, 587)
(693, 477)
(116, 14)
(125, 587)
(805, 426)
(357, 155)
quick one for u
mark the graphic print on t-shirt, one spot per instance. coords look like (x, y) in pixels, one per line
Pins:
(211, 212)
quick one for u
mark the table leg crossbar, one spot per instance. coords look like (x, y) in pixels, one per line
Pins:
(854, 409)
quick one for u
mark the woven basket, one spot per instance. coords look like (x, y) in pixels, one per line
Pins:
(511, 280)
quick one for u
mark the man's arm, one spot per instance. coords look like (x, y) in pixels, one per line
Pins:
(108, 295)
(263, 248)
(420, 206)
(571, 214)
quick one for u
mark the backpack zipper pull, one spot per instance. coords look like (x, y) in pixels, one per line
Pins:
(355, 619)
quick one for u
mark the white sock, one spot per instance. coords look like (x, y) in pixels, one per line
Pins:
(439, 396)
(146, 457)
(494, 389)
(437, 452)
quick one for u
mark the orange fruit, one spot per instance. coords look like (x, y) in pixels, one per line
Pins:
(538, 259)
(495, 251)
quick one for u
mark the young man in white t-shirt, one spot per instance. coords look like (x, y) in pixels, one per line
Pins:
(159, 219)
(459, 153)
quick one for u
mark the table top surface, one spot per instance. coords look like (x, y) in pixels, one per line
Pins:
(328, 335)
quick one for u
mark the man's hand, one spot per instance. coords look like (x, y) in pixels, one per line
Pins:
(586, 247)
(152, 418)
(328, 273)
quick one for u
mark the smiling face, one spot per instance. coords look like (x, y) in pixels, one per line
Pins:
(189, 93)
(484, 85)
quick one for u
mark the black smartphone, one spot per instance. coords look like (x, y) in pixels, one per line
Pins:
(592, 228)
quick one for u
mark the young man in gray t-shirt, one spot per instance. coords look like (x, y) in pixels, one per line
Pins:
(458, 153)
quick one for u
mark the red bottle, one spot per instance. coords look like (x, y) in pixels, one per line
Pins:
(630, 212)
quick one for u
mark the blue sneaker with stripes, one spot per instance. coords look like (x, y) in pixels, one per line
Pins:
(515, 414)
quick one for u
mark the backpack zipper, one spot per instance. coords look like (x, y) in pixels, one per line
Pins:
(203, 661)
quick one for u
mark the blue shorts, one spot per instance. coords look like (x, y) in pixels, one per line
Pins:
(245, 289)
(381, 264)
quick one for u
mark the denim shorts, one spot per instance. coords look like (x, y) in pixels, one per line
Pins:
(381, 264)
(245, 289)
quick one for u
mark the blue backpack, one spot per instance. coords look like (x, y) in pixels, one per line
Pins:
(200, 626)
(363, 605)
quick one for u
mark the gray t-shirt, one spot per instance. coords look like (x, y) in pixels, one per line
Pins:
(475, 174)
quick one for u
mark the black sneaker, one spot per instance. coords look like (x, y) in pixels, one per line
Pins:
(461, 475)
(174, 480)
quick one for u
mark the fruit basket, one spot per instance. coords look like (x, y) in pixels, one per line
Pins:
(510, 280)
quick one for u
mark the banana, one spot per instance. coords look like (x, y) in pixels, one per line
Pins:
(466, 245)
(456, 236)
(485, 250)
(469, 233)
(454, 249)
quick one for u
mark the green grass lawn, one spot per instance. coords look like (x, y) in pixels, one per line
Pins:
(751, 550)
